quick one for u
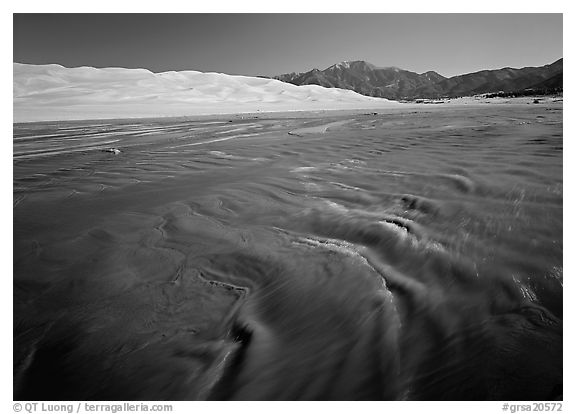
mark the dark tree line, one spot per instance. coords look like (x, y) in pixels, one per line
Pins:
(525, 92)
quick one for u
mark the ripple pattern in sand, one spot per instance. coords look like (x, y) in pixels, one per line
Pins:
(393, 256)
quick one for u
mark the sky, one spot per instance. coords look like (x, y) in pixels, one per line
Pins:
(272, 44)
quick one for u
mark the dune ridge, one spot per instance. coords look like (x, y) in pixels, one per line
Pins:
(55, 93)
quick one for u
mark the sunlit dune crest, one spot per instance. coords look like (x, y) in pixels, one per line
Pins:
(53, 92)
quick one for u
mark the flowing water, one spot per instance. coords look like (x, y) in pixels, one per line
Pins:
(414, 254)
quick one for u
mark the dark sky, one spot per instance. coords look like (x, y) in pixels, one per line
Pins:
(270, 44)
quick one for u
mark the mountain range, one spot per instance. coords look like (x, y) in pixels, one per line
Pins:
(395, 83)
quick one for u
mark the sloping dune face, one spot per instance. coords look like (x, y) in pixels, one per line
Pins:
(53, 92)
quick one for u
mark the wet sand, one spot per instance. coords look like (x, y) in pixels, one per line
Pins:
(411, 254)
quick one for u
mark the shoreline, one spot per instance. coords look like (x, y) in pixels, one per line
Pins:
(464, 102)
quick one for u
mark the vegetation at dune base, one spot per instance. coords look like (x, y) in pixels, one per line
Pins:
(527, 92)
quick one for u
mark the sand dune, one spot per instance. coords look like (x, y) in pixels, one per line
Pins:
(53, 92)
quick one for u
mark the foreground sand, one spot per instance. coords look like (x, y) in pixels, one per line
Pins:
(408, 254)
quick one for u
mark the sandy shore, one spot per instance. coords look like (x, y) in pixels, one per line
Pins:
(402, 253)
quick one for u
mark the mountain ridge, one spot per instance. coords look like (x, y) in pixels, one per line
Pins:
(394, 83)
